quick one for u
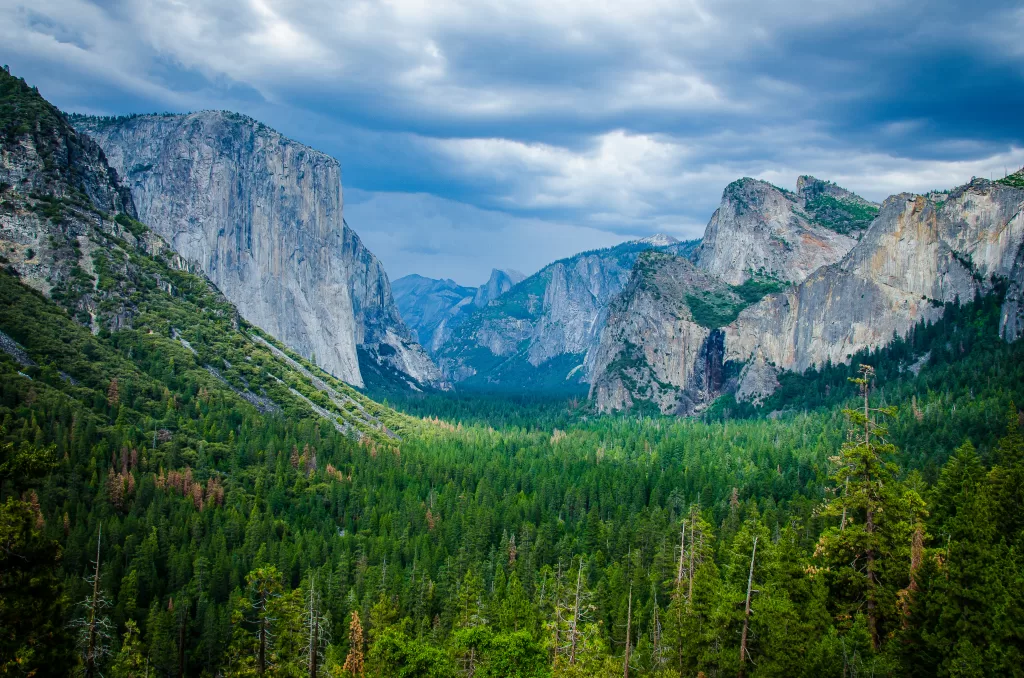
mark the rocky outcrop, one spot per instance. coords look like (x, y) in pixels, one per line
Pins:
(544, 329)
(261, 215)
(501, 281)
(653, 349)
(762, 230)
(381, 334)
(61, 204)
(428, 304)
(917, 255)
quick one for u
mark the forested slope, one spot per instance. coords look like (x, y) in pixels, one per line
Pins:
(180, 497)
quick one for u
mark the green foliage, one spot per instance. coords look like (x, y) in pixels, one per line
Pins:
(33, 639)
(23, 111)
(713, 310)
(840, 215)
(1015, 180)
(500, 547)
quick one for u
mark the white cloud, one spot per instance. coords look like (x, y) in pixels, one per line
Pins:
(592, 120)
(420, 233)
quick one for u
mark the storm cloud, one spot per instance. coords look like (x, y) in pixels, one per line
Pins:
(465, 128)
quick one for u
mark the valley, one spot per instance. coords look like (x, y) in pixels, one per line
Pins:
(231, 445)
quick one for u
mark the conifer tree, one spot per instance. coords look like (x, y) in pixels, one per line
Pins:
(354, 660)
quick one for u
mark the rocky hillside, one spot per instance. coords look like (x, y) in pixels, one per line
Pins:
(97, 306)
(431, 307)
(661, 343)
(660, 337)
(543, 331)
(261, 215)
(920, 253)
(61, 207)
(760, 229)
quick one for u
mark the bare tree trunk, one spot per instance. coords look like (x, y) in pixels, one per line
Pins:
(869, 527)
(682, 554)
(689, 594)
(575, 616)
(746, 612)
(869, 521)
(314, 629)
(846, 488)
(261, 660)
(629, 633)
(90, 656)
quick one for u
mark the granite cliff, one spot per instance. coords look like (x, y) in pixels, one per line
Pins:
(918, 253)
(542, 332)
(760, 229)
(656, 347)
(261, 216)
(664, 342)
(68, 230)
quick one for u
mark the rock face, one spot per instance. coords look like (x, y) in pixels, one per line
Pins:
(917, 255)
(382, 336)
(663, 343)
(541, 333)
(653, 349)
(759, 229)
(431, 307)
(427, 304)
(261, 215)
(60, 202)
(501, 281)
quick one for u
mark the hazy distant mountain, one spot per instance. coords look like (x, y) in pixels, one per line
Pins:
(539, 333)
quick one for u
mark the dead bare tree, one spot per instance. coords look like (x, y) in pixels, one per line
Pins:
(94, 628)
(317, 631)
(746, 613)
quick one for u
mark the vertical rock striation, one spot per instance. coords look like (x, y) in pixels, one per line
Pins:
(919, 254)
(760, 229)
(261, 215)
(432, 308)
(653, 348)
(664, 343)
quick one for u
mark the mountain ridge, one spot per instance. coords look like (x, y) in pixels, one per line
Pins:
(544, 329)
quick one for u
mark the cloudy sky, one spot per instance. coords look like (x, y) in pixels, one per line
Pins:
(483, 133)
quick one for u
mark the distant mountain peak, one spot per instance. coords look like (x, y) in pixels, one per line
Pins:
(659, 240)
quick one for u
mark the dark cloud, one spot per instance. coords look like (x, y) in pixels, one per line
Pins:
(589, 121)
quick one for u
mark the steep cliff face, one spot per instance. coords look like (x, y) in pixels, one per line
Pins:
(666, 346)
(67, 229)
(261, 215)
(63, 211)
(917, 255)
(760, 229)
(653, 348)
(540, 332)
(427, 304)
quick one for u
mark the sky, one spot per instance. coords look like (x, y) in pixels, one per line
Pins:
(480, 133)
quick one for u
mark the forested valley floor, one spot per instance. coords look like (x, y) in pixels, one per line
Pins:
(182, 495)
(498, 543)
